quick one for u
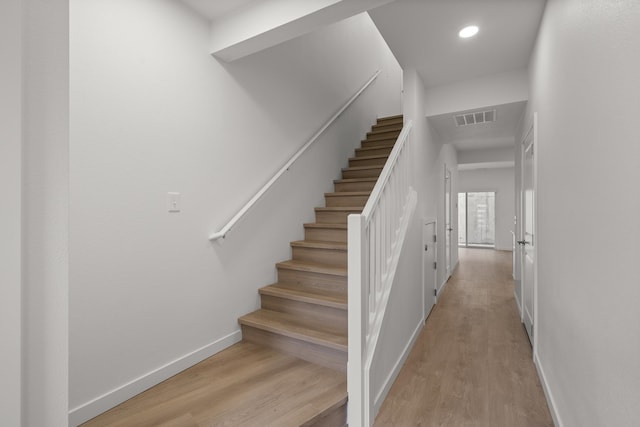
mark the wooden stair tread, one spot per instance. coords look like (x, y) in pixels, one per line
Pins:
(389, 126)
(246, 384)
(325, 225)
(397, 116)
(347, 193)
(338, 208)
(346, 180)
(360, 168)
(389, 145)
(362, 158)
(312, 267)
(310, 295)
(378, 132)
(293, 327)
(312, 413)
(319, 244)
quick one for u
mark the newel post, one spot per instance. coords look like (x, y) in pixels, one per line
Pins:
(357, 298)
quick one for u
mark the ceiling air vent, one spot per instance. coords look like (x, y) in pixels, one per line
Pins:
(475, 118)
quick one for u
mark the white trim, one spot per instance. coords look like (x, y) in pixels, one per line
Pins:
(242, 212)
(114, 397)
(518, 304)
(551, 403)
(536, 239)
(384, 391)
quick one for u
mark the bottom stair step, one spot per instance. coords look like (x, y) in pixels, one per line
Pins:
(245, 385)
(287, 333)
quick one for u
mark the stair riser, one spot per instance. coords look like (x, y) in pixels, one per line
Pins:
(365, 173)
(336, 418)
(354, 186)
(369, 143)
(381, 151)
(326, 235)
(346, 201)
(333, 257)
(333, 217)
(323, 317)
(316, 280)
(382, 135)
(354, 163)
(310, 352)
(390, 121)
(387, 127)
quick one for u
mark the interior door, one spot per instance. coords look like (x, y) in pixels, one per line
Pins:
(429, 267)
(528, 235)
(447, 221)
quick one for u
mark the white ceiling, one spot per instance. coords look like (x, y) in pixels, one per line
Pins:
(424, 35)
(485, 135)
(214, 9)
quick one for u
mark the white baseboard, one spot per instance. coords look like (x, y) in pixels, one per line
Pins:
(515, 296)
(557, 421)
(382, 394)
(114, 397)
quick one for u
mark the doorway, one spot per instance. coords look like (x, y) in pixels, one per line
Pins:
(447, 222)
(477, 219)
(429, 266)
(528, 242)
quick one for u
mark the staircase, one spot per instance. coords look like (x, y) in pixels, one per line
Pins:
(304, 314)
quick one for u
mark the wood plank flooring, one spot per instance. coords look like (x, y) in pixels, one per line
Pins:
(472, 364)
(245, 385)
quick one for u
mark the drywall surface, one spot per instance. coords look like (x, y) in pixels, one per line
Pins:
(260, 25)
(10, 214)
(495, 89)
(45, 227)
(487, 155)
(152, 113)
(584, 79)
(500, 180)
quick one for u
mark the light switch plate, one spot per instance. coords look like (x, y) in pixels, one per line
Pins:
(173, 202)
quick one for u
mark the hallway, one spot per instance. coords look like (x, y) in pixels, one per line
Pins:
(472, 363)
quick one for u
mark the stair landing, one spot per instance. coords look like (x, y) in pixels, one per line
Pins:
(245, 385)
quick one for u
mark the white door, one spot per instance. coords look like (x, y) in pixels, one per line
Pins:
(429, 267)
(447, 221)
(528, 234)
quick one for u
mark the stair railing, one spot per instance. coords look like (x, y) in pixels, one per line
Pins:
(243, 211)
(375, 241)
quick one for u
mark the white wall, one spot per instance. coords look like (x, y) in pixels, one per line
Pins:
(10, 214)
(45, 199)
(502, 181)
(152, 112)
(584, 86)
(505, 154)
(495, 89)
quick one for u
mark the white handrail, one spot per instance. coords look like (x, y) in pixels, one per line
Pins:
(232, 222)
(374, 198)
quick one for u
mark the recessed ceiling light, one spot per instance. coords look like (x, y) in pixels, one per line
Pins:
(469, 31)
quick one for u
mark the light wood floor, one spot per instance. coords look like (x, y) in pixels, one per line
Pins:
(472, 364)
(245, 385)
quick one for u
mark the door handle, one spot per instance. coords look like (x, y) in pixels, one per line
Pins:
(449, 229)
(426, 247)
(523, 242)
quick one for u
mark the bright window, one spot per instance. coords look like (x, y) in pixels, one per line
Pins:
(477, 219)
